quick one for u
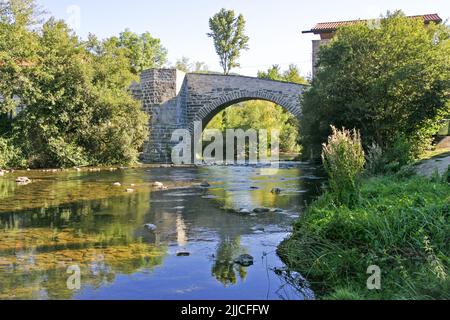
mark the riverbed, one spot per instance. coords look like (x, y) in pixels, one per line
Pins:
(98, 222)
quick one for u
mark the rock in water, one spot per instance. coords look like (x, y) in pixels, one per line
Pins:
(276, 210)
(129, 190)
(244, 260)
(244, 211)
(150, 227)
(158, 184)
(261, 210)
(205, 184)
(117, 184)
(23, 180)
(2, 173)
(183, 254)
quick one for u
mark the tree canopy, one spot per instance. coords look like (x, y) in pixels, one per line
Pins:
(228, 33)
(78, 107)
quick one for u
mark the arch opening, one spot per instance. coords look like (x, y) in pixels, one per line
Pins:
(258, 114)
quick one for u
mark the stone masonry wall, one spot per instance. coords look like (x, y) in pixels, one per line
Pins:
(164, 99)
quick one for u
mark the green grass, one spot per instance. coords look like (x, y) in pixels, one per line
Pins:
(402, 226)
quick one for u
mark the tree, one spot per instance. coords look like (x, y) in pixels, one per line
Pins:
(389, 83)
(228, 33)
(79, 110)
(143, 51)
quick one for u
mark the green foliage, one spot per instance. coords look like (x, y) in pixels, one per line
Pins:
(343, 159)
(142, 50)
(402, 226)
(10, 156)
(386, 82)
(228, 33)
(79, 110)
(292, 74)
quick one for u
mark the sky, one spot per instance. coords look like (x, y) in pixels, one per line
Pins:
(274, 26)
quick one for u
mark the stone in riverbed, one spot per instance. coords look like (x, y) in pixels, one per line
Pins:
(276, 210)
(243, 211)
(23, 180)
(244, 260)
(129, 190)
(158, 185)
(183, 254)
(2, 173)
(261, 210)
(205, 184)
(117, 184)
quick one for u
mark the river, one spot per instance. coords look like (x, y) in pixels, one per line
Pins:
(67, 219)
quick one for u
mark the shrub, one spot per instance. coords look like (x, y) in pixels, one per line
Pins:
(400, 154)
(343, 158)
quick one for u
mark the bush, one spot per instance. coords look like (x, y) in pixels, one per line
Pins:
(343, 158)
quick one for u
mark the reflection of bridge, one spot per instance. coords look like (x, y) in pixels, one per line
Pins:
(175, 100)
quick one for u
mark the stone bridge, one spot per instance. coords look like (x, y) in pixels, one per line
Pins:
(175, 100)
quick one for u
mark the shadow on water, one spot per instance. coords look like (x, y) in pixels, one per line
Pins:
(79, 219)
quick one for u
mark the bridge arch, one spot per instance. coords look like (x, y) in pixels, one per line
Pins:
(209, 111)
(175, 100)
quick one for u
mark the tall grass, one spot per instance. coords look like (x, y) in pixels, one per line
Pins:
(343, 159)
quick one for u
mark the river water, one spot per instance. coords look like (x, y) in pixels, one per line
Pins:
(67, 222)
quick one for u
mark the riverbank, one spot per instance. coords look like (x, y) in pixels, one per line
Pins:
(399, 225)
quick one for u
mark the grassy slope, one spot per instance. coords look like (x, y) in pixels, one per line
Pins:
(403, 226)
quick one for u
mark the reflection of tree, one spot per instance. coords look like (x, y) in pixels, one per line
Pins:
(100, 236)
(34, 267)
(224, 268)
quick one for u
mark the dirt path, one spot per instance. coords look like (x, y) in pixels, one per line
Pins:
(429, 167)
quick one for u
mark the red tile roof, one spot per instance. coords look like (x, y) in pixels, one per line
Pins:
(326, 27)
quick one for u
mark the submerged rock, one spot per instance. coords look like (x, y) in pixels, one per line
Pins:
(261, 210)
(244, 260)
(276, 210)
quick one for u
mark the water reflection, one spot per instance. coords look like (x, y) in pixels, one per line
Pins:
(72, 218)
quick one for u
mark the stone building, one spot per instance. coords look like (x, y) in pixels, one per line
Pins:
(327, 30)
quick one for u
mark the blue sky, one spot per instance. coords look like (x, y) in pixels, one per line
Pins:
(274, 26)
